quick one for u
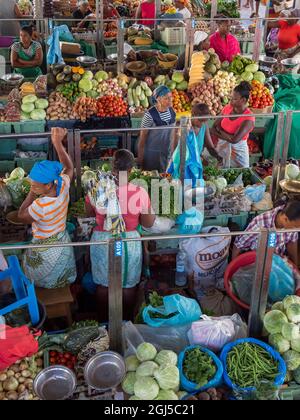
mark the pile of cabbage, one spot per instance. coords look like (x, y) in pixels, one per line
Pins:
(292, 172)
(33, 108)
(18, 186)
(152, 375)
(283, 325)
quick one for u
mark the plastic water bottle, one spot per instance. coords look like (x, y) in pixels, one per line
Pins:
(181, 275)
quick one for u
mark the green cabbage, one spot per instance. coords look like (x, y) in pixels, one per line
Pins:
(38, 114)
(167, 377)
(145, 352)
(273, 321)
(252, 68)
(221, 184)
(166, 357)
(128, 383)
(25, 116)
(247, 76)
(101, 75)
(260, 77)
(292, 360)
(278, 306)
(146, 388)
(29, 99)
(87, 177)
(146, 369)
(135, 398)
(27, 108)
(131, 362)
(295, 344)
(292, 171)
(86, 85)
(289, 300)
(293, 313)
(167, 395)
(178, 77)
(88, 75)
(17, 173)
(290, 331)
(279, 343)
(41, 104)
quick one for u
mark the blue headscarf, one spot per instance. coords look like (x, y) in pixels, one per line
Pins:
(160, 92)
(46, 172)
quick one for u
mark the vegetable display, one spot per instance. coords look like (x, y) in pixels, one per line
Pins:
(111, 106)
(64, 359)
(248, 364)
(198, 367)
(260, 96)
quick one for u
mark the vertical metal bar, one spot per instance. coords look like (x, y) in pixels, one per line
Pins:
(47, 34)
(257, 40)
(158, 8)
(183, 137)
(267, 15)
(189, 48)
(214, 12)
(115, 295)
(70, 139)
(277, 153)
(120, 46)
(77, 157)
(286, 144)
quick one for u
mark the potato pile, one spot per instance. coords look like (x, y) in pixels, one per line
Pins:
(85, 108)
(16, 382)
(59, 108)
(204, 93)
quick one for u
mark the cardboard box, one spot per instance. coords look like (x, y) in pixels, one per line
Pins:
(70, 48)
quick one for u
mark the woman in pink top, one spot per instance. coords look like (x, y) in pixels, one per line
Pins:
(136, 209)
(223, 42)
(146, 13)
(233, 132)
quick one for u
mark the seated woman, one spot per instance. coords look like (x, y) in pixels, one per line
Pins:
(135, 208)
(223, 42)
(27, 55)
(46, 208)
(233, 132)
(284, 217)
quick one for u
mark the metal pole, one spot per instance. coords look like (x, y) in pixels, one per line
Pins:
(158, 8)
(286, 144)
(115, 295)
(257, 40)
(214, 12)
(189, 47)
(120, 46)
(77, 160)
(70, 139)
(183, 137)
(267, 15)
(260, 288)
(277, 153)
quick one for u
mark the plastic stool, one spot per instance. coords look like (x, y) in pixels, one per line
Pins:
(23, 288)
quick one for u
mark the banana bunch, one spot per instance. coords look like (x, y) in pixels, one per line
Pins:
(197, 68)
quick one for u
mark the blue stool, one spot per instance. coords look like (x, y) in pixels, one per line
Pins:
(23, 288)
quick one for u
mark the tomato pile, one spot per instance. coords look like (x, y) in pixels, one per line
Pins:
(111, 106)
(110, 34)
(63, 359)
(181, 101)
(260, 96)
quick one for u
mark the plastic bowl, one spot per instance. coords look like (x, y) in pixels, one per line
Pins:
(290, 63)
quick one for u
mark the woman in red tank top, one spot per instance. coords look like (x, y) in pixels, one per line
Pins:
(146, 13)
(233, 132)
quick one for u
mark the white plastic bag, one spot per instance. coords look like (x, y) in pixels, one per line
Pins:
(161, 225)
(215, 333)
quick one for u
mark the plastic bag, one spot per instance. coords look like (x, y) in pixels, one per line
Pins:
(177, 310)
(190, 222)
(255, 193)
(239, 181)
(214, 333)
(161, 225)
(265, 204)
(163, 338)
(217, 303)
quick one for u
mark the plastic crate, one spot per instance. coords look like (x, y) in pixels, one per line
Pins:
(174, 36)
(136, 122)
(26, 164)
(108, 141)
(7, 148)
(240, 219)
(221, 220)
(34, 147)
(6, 166)
(27, 127)
(5, 128)
(68, 124)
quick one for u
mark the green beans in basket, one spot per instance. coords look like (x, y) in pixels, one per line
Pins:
(249, 364)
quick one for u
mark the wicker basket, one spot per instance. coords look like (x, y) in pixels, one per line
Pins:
(168, 64)
(266, 110)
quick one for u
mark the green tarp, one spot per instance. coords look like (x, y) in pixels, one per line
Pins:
(287, 98)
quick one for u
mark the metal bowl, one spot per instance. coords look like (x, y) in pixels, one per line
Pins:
(13, 79)
(85, 60)
(55, 383)
(290, 63)
(290, 186)
(267, 61)
(114, 57)
(105, 371)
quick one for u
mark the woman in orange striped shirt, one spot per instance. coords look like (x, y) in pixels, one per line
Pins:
(46, 208)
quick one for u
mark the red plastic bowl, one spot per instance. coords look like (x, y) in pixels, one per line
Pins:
(241, 261)
(6, 41)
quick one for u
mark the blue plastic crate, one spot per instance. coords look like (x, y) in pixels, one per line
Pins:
(30, 126)
(5, 128)
(7, 149)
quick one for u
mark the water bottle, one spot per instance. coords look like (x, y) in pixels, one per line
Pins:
(181, 275)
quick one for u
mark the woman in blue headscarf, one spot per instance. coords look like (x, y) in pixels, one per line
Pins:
(155, 145)
(46, 208)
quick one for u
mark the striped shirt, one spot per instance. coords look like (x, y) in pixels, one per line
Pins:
(148, 120)
(50, 213)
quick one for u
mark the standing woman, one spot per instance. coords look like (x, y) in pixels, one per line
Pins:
(146, 13)
(223, 42)
(233, 132)
(155, 145)
(27, 55)
(46, 208)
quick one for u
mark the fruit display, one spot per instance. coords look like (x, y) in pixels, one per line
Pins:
(13, 111)
(204, 93)
(85, 108)
(139, 36)
(181, 102)
(197, 69)
(212, 63)
(246, 69)
(63, 359)
(137, 95)
(70, 91)
(59, 108)
(111, 106)
(260, 96)
(264, 169)
(109, 87)
(228, 8)
(27, 88)
(33, 108)
(224, 83)
(177, 81)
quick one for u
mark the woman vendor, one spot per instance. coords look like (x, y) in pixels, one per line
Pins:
(284, 217)
(83, 14)
(46, 208)
(27, 55)
(146, 13)
(181, 6)
(109, 11)
(154, 145)
(223, 42)
(134, 209)
(233, 132)
(201, 42)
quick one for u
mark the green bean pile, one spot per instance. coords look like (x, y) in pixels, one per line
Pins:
(249, 364)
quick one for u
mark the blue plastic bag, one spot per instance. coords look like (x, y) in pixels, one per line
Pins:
(282, 281)
(215, 382)
(186, 310)
(282, 370)
(255, 193)
(190, 222)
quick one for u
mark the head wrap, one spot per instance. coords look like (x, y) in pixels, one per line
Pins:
(199, 37)
(81, 2)
(160, 92)
(47, 171)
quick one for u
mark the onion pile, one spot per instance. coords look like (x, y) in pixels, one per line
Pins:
(224, 83)
(204, 93)
(109, 88)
